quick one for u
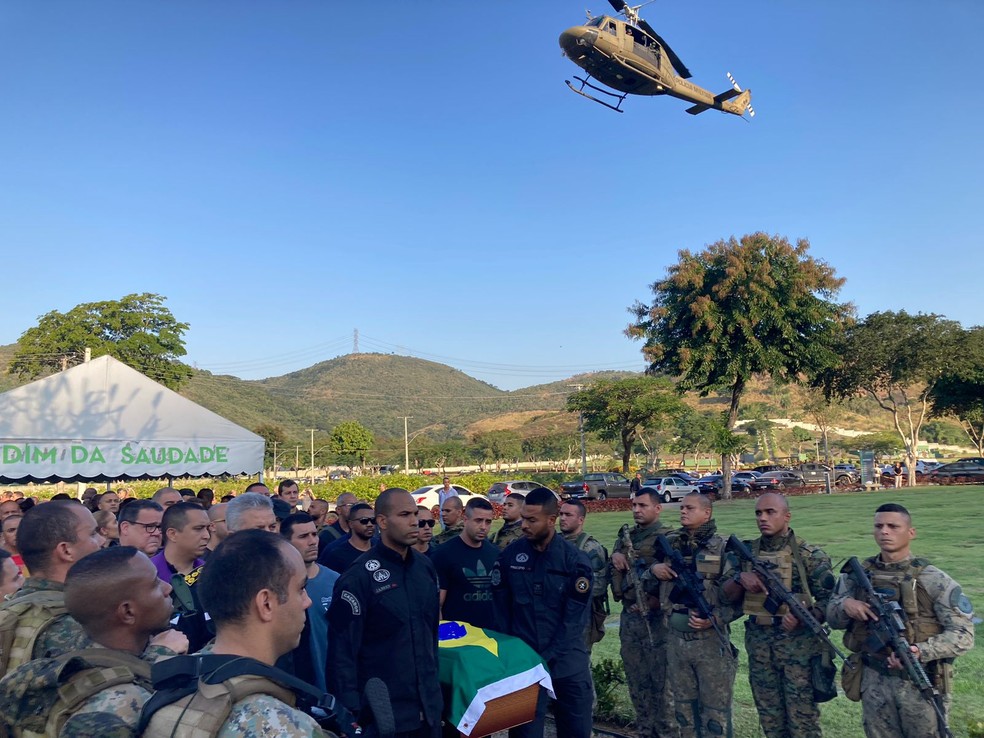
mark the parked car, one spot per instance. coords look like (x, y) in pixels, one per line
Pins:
(714, 483)
(597, 486)
(963, 470)
(765, 468)
(819, 473)
(499, 491)
(669, 488)
(428, 496)
(846, 467)
(774, 480)
(746, 476)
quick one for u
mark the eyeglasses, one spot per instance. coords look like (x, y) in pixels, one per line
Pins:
(425, 523)
(149, 527)
(365, 521)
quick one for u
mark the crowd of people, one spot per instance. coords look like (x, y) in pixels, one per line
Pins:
(179, 613)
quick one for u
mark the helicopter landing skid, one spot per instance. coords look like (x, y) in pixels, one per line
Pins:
(584, 83)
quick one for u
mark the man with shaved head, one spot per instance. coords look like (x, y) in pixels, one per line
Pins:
(340, 528)
(166, 496)
(453, 520)
(123, 608)
(702, 677)
(52, 538)
(383, 621)
(780, 650)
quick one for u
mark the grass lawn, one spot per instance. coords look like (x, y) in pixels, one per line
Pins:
(949, 533)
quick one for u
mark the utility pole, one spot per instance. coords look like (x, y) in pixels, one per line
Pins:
(297, 459)
(406, 445)
(355, 341)
(580, 430)
(311, 431)
(274, 459)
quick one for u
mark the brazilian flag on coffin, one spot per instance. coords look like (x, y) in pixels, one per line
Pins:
(478, 665)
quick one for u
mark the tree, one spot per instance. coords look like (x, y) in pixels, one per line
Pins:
(497, 446)
(896, 359)
(694, 432)
(801, 436)
(274, 436)
(618, 409)
(959, 392)
(137, 330)
(351, 440)
(824, 413)
(758, 305)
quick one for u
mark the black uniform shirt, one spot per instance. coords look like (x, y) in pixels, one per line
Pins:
(544, 598)
(382, 622)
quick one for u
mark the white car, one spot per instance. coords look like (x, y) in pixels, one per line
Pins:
(428, 496)
(669, 488)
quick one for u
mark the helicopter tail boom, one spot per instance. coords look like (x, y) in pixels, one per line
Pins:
(721, 103)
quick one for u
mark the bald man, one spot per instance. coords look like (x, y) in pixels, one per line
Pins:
(780, 650)
(123, 608)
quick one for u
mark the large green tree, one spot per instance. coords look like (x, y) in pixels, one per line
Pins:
(896, 359)
(741, 307)
(137, 329)
(351, 441)
(618, 409)
(959, 392)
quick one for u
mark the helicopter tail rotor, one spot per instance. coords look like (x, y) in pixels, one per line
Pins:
(744, 100)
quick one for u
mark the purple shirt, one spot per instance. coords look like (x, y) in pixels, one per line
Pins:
(164, 569)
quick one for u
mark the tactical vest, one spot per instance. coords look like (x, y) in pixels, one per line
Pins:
(22, 621)
(754, 602)
(644, 549)
(67, 682)
(901, 586)
(202, 713)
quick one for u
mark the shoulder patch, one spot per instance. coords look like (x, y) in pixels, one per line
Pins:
(582, 585)
(496, 577)
(353, 602)
(372, 565)
(960, 601)
(522, 558)
(381, 575)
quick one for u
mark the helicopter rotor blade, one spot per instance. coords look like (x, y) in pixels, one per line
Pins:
(619, 5)
(675, 60)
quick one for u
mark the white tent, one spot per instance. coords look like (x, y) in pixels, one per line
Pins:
(102, 420)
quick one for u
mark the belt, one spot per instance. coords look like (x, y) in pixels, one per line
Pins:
(693, 635)
(764, 620)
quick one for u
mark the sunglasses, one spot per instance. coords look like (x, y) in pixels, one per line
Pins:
(425, 523)
(365, 521)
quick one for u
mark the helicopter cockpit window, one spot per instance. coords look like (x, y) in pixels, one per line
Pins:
(611, 28)
(596, 21)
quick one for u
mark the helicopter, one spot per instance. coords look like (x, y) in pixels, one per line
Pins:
(629, 56)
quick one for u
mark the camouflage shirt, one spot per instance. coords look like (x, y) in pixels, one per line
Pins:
(644, 546)
(61, 635)
(508, 533)
(951, 609)
(263, 716)
(598, 557)
(448, 533)
(114, 711)
(819, 575)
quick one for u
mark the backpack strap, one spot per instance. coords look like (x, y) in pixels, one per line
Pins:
(22, 621)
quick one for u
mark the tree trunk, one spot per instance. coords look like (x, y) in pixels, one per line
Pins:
(736, 391)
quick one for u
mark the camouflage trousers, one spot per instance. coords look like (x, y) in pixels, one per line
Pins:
(780, 677)
(645, 671)
(892, 707)
(703, 680)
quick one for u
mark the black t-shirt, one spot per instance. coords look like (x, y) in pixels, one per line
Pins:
(466, 574)
(339, 555)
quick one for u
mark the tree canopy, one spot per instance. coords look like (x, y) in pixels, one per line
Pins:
(959, 392)
(897, 359)
(754, 305)
(351, 440)
(137, 330)
(618, 409)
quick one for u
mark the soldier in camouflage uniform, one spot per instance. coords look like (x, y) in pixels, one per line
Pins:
(700, 669)
(642, 627)
(938, 623)
(780, 651)
(43, 628)
(571, 524)
(512, 522)
(253, 589)
(113, 595)
(453, 515)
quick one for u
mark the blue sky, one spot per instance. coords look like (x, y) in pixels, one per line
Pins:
(287, 172)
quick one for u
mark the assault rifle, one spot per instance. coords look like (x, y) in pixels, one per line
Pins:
(889, 631)
(642, 599)
(689, 589)
(778, 595)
